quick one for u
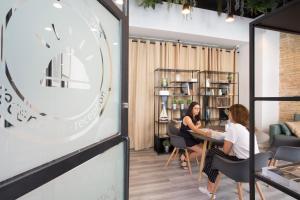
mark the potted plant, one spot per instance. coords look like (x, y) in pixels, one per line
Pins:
(189, 101)
(164, 82)
(229, 78)
(166, 144)
(181, 102)
(174, 105)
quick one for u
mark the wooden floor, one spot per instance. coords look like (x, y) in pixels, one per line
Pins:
(150, 181)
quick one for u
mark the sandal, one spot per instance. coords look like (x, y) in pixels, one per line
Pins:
(182, 158)
(184, 165)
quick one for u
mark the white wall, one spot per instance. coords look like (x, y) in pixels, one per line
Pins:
(243, 69)
(267, 55)
(270, 78)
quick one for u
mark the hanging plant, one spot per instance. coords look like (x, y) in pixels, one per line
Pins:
(261, 6)
(152, 3)
(149, 3)
(241, 7)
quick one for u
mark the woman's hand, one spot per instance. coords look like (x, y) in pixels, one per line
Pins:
(206, 133)
(198, 125)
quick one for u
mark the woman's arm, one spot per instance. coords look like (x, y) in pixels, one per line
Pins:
(227, 147)
(195, 128)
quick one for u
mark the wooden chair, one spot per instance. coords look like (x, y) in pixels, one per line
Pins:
(178, 143)
(286, 153)
(239, 171)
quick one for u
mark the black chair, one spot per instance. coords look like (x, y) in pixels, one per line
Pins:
(178, 143)
(239, 170)
(286, 153)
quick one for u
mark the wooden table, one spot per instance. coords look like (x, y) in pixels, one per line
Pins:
(207, 141)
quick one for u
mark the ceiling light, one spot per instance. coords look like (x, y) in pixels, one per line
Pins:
(57, 5)
(94, 29)
(120, 2)
(186, 8)
(48, 29)
(229, 18)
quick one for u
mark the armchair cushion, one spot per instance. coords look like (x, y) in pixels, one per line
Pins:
(285, 129)
(274, 129)
(295, 127)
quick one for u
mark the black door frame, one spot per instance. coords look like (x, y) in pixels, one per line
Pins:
(27, 181)
(269, 22)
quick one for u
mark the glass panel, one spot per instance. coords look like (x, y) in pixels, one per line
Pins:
(270, 119)
(273, 131)
(276, 124)
(87, 180)
(277, 64)
(59, 81)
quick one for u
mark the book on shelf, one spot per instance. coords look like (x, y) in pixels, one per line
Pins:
(287, 175)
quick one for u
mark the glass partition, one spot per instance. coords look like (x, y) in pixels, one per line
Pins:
(100, 178)
(60, 81)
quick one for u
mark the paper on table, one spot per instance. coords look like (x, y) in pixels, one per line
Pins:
(217, 135)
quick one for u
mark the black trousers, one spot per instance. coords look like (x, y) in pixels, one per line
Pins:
(208, 170)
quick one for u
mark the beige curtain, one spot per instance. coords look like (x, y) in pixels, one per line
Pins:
(144, 58)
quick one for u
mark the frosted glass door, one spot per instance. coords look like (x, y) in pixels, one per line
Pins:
(60, 89)
(100, 178)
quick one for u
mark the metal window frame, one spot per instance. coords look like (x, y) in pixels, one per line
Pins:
(258, 23)
(27, 181)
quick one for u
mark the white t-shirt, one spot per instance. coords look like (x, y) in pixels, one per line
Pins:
(238, 135)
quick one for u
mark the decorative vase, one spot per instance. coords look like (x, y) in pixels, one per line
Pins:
(163, 114)
(207, 82)
(182, 106)
(177, 77)
(220, 92)
(229, 78)
(166, 149)
(174, 106)
(164, 82)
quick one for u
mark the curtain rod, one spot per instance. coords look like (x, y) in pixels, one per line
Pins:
(153, 40)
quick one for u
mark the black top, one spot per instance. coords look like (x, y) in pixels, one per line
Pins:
(188, 137)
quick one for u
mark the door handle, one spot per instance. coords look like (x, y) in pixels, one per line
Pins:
(125, 105)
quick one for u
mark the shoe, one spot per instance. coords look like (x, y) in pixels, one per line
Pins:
(205, 191)
(184, 165)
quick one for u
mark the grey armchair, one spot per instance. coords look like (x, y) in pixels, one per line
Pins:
(239, 170)
(280, 135)
(178, 143)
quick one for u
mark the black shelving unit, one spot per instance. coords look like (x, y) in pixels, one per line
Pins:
(284, 19)
(217, 87)
(175, 92)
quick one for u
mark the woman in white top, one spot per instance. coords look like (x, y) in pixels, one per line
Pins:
(236, 144)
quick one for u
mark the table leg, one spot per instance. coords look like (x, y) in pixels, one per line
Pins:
(209, 145)
(202, 159)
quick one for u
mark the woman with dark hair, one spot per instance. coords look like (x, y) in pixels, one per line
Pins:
(191, 121)
(236, 144)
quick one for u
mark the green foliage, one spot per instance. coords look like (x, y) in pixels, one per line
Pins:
(181, 101)
(219, 6)
(166, 143)
(261, 6)
(174, 101)
(254, 6)
(189, 101)
(149, 3)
